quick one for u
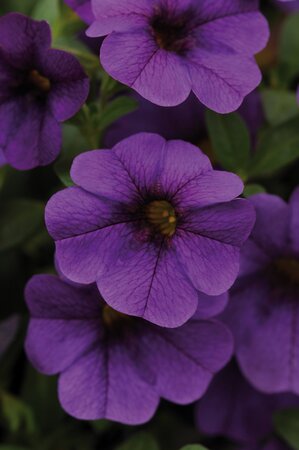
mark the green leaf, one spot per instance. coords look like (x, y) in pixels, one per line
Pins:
(279, 106)
(19, 220)
(48, 10)
(289, 48)
(287, 426)
(140, 441)
(12, 447)
(277, 148)
(194, 447)
(73, 144)
(116, 109)
(252, 189)
(16, 413)
(231, 141)
(24, 7)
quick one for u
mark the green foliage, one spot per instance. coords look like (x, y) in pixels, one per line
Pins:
(287, 426)
(230, 140)
(48, 10)
(73, 144)
(252, 189)
(194, 447)
(16, 413)
(289, 49)
(140, 441)
(19, 220)
(116, 109)
(277, 148)
(279, 106)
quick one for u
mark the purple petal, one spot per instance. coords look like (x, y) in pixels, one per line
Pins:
(82, 8)
(64, 321)
(264, 322)
(294, 221)
(234, 409)
(131, 168)
(210, 306)
(221, 81)
(201, 348)
(86, 225)
(135, 60)
(69, 83)
(30, 136)
(147, 281)
(104, 384)
(23, 38)
(112, 15)
(246, 33)
(271, 228)
(201, 189)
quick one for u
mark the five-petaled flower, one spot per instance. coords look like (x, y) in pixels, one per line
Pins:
(114, 366)
(40, 87)
(164, 49)
(152, 223)
(264, 309)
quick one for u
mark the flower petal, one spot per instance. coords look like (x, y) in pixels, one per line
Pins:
(112, 15)
(201, 348)
(23, 39)
(69, 83)
(30, 136)
(134, 59)
(147, 281)
(210, 306)
(294, 204)
(125, 173)
(104, 384)
(221, 81)
(264, 322)
(86, 225)
(65, 321)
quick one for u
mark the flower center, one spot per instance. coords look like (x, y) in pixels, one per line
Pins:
(39, 81)
(173, 32)
(161, 215)
(288, 269)
(114, 319)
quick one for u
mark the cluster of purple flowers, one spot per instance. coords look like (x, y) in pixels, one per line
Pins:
(164, 272)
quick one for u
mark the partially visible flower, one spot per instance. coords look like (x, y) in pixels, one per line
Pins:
(82, 8)
(40, 87)
(164, 49)
(288, 5)
(152, 223)
(234, 409)
(185, 121)
(275, 444)
(8, 330)
(263, 312)
(114, 366)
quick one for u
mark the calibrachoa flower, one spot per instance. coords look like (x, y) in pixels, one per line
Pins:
(40, 87)
(152, 223)
(185, 121)
(82, 8)
(234, 409)
(114, 366)
(8, 330)
(164, 49)
(264, 309)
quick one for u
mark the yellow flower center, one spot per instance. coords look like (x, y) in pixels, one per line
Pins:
(39, 81)
(161, 215)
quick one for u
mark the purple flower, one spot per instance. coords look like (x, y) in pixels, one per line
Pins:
(185, 121)
(152, 223)
(40, 87)
(8, 330)
(164, 49)
(234, 409)
(114, 366)
(82, 8)
(264, 309)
